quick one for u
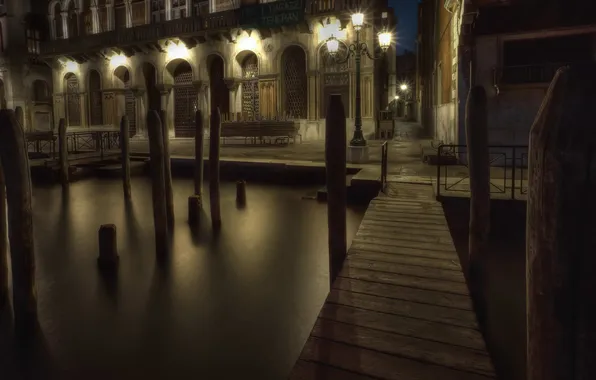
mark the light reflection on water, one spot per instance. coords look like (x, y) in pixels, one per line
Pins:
(242, 304)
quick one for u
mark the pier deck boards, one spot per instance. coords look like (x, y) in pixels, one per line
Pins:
(400, 308)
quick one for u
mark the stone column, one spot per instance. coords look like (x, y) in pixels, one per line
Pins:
(234, 86)
(128, 10)
(52, 23)
(110, 16)
(59, 109)
(141, 114)
(83, 106)
(147, 13)
(312, 88)
(168, 10)
(165, 90)
(64, 17)
(202, 98)
(95, 18)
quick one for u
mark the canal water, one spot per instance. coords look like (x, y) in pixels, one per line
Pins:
(237, 306)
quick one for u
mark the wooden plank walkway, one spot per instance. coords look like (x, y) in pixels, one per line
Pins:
(400, 308)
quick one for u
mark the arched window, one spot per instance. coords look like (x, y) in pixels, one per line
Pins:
(58, 21)
(102, 13)
(73, 100)
(178, 9)
(119, 14)
(73, 20)
(87, 17)
(41, 91)
(185, 101)
(158, 11)
(294, 82)
(138, 10)
(250, 85)
(95, 99)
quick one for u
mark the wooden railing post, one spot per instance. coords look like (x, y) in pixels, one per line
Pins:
(335, 164)
(157, 162)
(214, 169)
(561, 225)
(17, 176)
(479, 171)
(125, 149)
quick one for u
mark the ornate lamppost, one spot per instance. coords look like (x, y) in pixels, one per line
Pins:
(358, 49)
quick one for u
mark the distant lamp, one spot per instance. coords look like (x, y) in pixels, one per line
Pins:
(396, 97)
(117, 60)
(71, 66)
(333, 45)
(384, 40)
(358, 20)
(403, 87)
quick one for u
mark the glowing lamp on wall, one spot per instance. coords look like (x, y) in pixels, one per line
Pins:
(384, 40)
(247, 43)
(71, 66)
(117, 60)
(358, 20)
(332, 45)
(176, 51)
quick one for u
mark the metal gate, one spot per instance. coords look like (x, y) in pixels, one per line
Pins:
(250, 86)
(130, 105)
(294, 69)
(73, 101)
(185, 102)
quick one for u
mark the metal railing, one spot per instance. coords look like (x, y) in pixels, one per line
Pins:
(384, 150)
(526, 74)
(508, 170)
(76, 142)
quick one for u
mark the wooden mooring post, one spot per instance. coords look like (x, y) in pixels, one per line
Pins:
(335, 164)
(476, 120)
(215, 125)
(157, 162)
(63, 152)
(108, 247)
(561, 225)
(17, 177)
(125, 158)
(3, 242)
(167, 169)
(199, 143)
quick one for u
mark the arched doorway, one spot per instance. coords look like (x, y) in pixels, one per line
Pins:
(185, 100)
(123, 80)
(153, 96)
(218, 91)
(294, 83)
(95, 99)
(73, 100)
(2, 95)
(336, 78)
(250, 86)
(20, 116)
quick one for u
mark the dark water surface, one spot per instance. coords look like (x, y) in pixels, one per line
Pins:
(237, 306)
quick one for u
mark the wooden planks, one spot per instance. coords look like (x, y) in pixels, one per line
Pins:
(400, 307)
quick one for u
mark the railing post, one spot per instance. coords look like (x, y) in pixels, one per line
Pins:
(513, 169)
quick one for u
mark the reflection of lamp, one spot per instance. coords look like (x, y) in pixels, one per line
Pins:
(357, 49)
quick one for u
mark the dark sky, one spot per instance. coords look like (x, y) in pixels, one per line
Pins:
(407, 23)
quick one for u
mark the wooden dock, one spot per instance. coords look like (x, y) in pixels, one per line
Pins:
(400, 308)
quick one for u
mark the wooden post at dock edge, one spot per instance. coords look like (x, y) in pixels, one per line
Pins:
(3, 242)
(561, 220)
(168, 169)
(157, 162)
(335, 164)
(125, 158)
(63, 152)
(199, 144)
(215, 124)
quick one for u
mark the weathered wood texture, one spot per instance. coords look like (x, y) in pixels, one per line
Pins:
(479, 168)
(62, 152)
(3, 242)
(157, 162)
(125, 159)
(17, 176)
(335, 165)
(215, 124)
(400, 307)
(561, 226)
(167, 169)
(199, 144)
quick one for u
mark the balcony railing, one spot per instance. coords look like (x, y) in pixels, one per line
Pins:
(528, 74)
(184, 27)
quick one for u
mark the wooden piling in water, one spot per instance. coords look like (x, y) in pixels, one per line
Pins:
(17, 176)
(63, 153)
(157, 162)
(3, 242)
(215, 125)
(125, 158)
(561, 220)
(476, 122)
(241, 193)
(108, 247)
(335, 164)
(194, 209)
(168, 170)
(199, 143)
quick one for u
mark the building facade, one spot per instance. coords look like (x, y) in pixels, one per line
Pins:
(125, 57)
(25, 81)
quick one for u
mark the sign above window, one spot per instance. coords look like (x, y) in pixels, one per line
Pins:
(273, 14)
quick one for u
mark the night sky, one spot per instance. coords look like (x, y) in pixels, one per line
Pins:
(407, 20)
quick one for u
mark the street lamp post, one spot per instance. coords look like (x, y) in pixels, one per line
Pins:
(358, 49)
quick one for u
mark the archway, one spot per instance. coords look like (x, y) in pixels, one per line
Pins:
(294, 82)
(123, 79)
(95, 99)
(73, 100)
(218, 91)
(58, 21)
(185, 98)
(2, 95)
(336, 78)
(20, 116)
(250, 86)
(150, 79)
